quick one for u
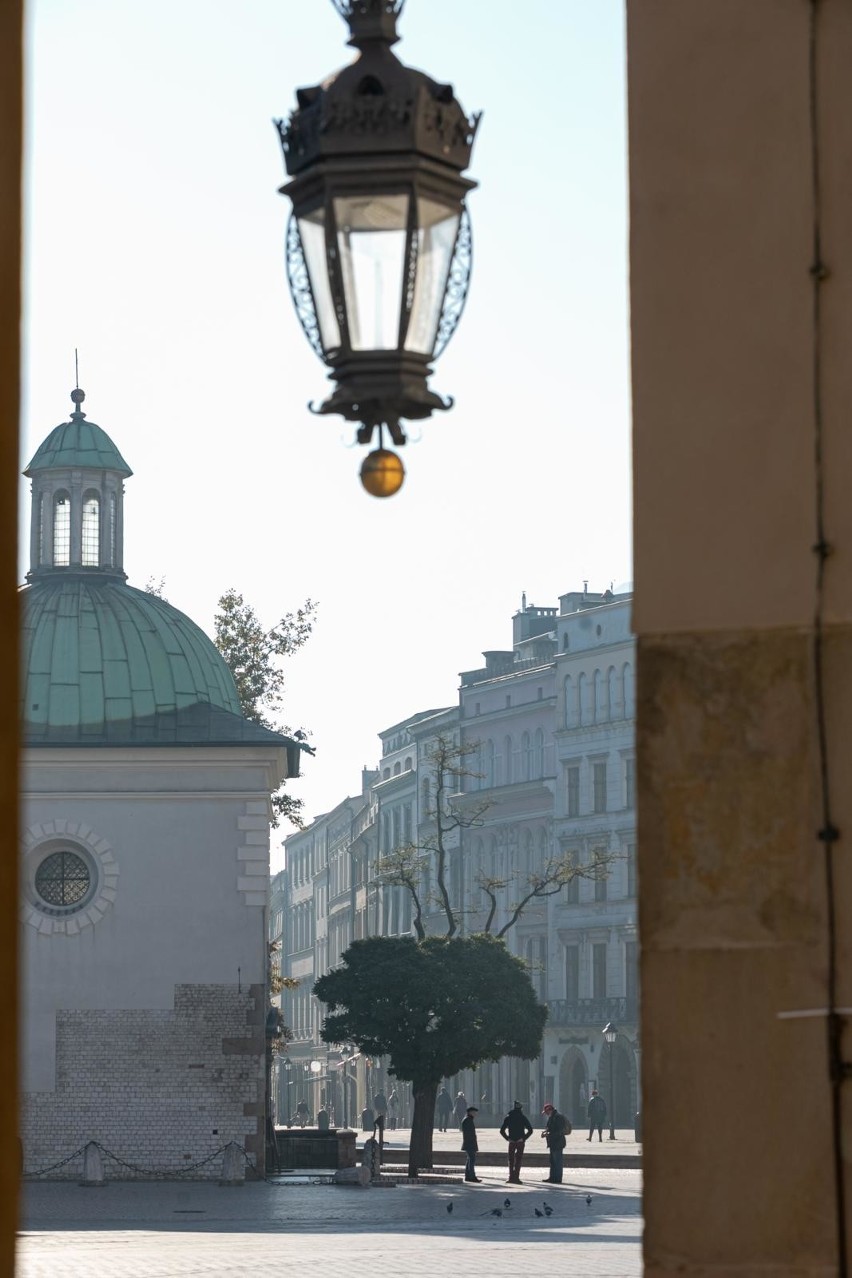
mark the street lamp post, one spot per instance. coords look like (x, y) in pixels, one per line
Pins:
(288, 1066)
(379, 243)
(316, 1070)
(610, 1033)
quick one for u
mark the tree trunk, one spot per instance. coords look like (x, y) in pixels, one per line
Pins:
(422, 1126)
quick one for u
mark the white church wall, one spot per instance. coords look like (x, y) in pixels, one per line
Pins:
(154, 992)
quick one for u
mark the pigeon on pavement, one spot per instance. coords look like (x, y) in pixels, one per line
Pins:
(507, 1202)
(537, 1212)
(449, 1207)
(548, 1210)
(588, 1200)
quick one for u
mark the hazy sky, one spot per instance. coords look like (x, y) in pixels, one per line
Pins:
(154, 244)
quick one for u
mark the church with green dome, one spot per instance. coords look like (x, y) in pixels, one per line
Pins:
(145, 848)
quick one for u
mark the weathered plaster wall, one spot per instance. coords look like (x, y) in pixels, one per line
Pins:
(738, 1151)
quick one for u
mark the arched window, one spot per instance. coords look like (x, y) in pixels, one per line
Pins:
(616, 704)
(508, 771)
(584, 689)
(425, 797)
(489, 764)
(601, 698)
(572, 717)
(526, 756)
(629, 702)
(538, 754)
(408, 764)
(397, 768)
(61, 530)
(91, 530)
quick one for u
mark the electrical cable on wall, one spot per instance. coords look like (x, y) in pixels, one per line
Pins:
(828, 834)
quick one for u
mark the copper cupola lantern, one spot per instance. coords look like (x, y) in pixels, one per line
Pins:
(379, 243)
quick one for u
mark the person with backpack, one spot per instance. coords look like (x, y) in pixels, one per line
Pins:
(556, 1129)
(517, 1130)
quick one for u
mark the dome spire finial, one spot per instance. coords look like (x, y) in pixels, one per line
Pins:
(77, 395)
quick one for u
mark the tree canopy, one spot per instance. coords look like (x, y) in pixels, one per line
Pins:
(253, 655)
(434, 1007)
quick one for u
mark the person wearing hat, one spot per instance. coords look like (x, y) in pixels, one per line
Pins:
(556, 1129)
(470, 1145)
(517, 1130)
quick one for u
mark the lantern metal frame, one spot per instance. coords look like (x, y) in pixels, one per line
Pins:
(378, 131)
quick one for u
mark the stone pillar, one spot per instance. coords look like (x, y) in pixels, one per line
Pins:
(11, 99)
(737, 1109)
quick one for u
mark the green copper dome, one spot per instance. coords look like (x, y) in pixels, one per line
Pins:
(78, 444)
(104, 663)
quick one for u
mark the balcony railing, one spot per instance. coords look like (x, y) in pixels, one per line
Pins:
(593, 1011)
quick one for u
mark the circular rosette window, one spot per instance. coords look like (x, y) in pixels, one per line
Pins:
(69, 878)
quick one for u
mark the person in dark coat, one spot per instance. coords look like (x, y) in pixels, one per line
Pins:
(597, 1115)
(556, 1129)
(443, 1109)
(517, 1130)
(460, 1109)
(470, 1145)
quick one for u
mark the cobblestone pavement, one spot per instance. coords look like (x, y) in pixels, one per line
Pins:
(159, 1230)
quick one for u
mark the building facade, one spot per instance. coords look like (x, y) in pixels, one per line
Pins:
(546, 774)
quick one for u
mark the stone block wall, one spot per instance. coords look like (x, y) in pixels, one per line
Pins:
(161, 1089)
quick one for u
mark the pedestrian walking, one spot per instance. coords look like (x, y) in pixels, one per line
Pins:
(597, 1115)
(380, 1107)
(393, 1110)
(460, 1109)
(470, 1144)
(555, 1131)
(443, 1109)
(303, 1114)
(516, 1129)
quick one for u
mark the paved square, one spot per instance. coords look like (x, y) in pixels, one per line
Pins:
(168, 1230)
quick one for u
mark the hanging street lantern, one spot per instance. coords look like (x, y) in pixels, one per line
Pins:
(379, 242)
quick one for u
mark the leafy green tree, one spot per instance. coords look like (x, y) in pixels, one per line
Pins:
(433, 1007)
(253, 655)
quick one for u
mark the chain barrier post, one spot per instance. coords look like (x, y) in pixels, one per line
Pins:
(93, 1167)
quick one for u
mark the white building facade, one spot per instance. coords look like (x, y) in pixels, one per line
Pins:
(548, 724)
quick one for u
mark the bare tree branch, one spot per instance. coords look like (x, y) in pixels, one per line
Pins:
(403, 867)
(558, 872)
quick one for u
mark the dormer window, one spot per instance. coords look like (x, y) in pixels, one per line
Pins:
(61, 530)
(91, 530)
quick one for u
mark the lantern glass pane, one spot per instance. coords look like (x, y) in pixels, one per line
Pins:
(312, 231)
(371, 232)
(437, 226)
